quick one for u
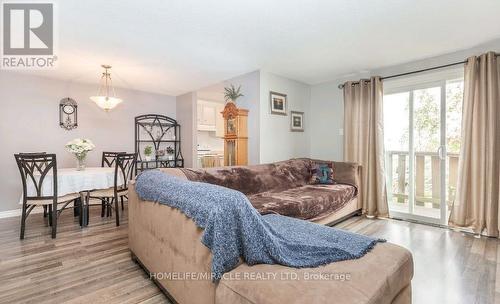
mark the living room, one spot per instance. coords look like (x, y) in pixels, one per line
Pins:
(250, 152)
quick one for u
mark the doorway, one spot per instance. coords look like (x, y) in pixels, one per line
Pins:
(422, 120)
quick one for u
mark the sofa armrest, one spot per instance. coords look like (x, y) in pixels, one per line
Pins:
(174, 172)
(347, 173)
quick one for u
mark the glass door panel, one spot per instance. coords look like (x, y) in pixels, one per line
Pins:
(396, 141)
(426, 147)
(454, 99)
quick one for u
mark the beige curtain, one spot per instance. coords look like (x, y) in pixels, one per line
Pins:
(476, 202)
(364, 141)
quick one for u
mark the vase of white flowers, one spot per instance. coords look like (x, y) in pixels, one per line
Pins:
(80, 147)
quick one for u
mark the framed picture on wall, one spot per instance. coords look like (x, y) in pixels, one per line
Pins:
(296, 121)
(278, 103)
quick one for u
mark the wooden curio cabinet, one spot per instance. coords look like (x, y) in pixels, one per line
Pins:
(235, 135)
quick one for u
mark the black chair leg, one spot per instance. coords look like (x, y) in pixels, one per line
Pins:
(44, 210)
(80, 218)
(23, 221)
(50, 215)
(103, 206)
(54, 220)
(111, 206)
(77, 206)
(121, 199)
(87, 210)
(108, 206)
(117, 213)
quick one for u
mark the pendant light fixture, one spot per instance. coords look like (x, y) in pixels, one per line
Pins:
(103, 98)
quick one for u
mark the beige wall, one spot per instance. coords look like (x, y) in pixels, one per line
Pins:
(29, 122)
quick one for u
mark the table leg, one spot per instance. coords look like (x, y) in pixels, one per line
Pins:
(84, 208)
(80, 213)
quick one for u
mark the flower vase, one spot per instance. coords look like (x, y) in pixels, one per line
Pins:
(80, 161)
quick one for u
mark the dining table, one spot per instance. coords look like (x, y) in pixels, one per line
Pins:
(71, 180)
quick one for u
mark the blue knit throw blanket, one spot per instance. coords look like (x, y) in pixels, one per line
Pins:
(234, 229)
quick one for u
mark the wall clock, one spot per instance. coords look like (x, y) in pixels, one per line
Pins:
(68, 110)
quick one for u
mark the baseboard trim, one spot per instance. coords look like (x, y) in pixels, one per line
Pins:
(345, 217)
(17, 212)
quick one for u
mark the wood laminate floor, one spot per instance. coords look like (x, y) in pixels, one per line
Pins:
(90, 265)
(93, 265)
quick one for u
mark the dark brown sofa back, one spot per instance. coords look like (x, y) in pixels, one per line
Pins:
(258, 178)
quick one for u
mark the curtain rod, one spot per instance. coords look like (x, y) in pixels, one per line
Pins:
(341, 86)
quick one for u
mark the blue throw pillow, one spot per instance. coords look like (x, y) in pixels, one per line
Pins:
(322, 173)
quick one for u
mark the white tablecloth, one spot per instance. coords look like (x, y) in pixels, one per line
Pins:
(70, 180)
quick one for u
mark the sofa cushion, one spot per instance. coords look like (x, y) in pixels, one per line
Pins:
(306, 202)
(378, 277)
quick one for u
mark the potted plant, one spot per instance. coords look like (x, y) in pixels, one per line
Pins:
(80, 147)
(170, 153)
(231, 93)
(148, 153)
(160, 154)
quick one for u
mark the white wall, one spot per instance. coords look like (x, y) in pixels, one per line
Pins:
(186, 116)
(277, 142)
(327, 105)
(327, 109)
(29, 122)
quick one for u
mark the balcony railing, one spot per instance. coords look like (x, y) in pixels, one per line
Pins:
(427, 178)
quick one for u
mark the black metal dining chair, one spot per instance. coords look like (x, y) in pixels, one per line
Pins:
(124, 172)
(35, 168)
(108, 160)
(35, 153)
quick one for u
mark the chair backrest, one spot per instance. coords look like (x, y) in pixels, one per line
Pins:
(125, 169)
(32, 153)
(109, 158)
(34, 168)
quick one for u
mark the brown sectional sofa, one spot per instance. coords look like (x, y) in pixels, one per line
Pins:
(167, 244)
(285, 188)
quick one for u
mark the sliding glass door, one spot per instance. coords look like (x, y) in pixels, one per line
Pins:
(422, 139)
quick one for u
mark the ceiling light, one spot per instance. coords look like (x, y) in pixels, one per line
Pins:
(103, 98)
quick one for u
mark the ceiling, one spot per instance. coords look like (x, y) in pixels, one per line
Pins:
(172, 47)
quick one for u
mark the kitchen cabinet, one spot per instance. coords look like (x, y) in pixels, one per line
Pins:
(199, 113)
(209, 117)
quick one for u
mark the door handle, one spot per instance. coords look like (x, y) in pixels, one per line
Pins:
(440, 152)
